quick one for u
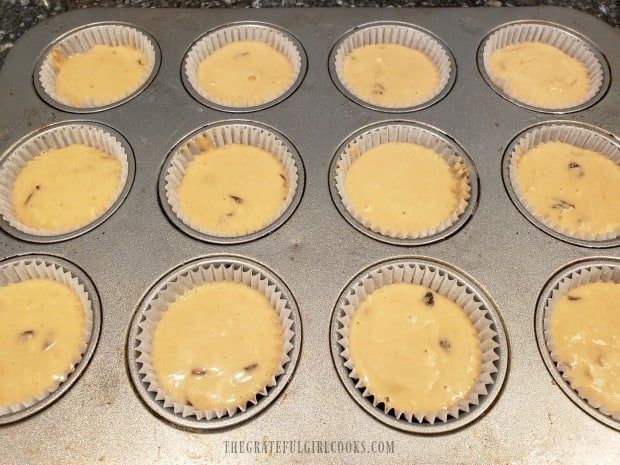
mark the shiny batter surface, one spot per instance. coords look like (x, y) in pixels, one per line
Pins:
(539, 74)
(245, 73)
(390, 75)
(65, 188)
(402, 187)
(233, 189)
(415, 350)
(42, 327)
(585, 326)
(571, 187)
(217, 346)
(103, 74)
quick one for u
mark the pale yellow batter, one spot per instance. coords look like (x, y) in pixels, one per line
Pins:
(585, 326)
(233, 189)
(571, 187)
(217, 346)
(415, 350)
(539, 74)
(42, 327)
(103, 74)
(245, 73)
(402, 187)
(390, 75)
(65, 188)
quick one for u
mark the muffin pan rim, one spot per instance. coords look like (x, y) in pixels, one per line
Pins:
(48, 99)
(502, 350)
(539, 317)
(601, 58)
(254, 108)
(333, 74)
(191, 423)
(231, 240)
(459, 150)
(72, 378)
(131, 173)
(506, 179)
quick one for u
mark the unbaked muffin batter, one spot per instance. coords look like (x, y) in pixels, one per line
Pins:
(415, 350)
(232, 190)
(42, 328)
(245, 73)
(65, 188)
(585, 326)
(571, 187)
(390, 75)
(539, 74)
(217, 346)
(402, 186)
(103, 74)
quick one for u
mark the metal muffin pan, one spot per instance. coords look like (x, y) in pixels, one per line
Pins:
(315, 252)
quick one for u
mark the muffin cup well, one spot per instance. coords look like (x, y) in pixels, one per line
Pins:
(157, 301)
(57, 136)
(80, 41)
(560, 37)
(26, 267)
(274, 36)
(402, 131)
(579, 135)
(456, 286)
(218, 135)
(398, 33)
(576, 274)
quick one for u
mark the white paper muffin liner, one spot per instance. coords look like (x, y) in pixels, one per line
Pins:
(442, 283)
(219, 136)
(83, 40)
(177, 286)
(403, 133)
(574, 279)
(406, 36)
(217, 39)
(55, 138)
(546, 33)
(24, 270)
(578, 136)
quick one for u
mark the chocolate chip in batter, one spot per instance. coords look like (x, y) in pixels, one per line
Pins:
(27, 335)
(429, 299)
(36, 188)
(242, 54)
(199, 372)
(140, 61)
(562, 205)
(445, 345)
(577, 167)
(189, 402)
(251, 367)
(378, 89)
(238, 200)
(573, 297)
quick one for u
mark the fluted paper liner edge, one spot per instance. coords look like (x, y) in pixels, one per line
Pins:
(581, 137)
(58, 137)
(580, 277)
(83, 40)
(23, 270)
(512, 34)
(412, 134)
(177, 286)
(449, 286)
(213, 138)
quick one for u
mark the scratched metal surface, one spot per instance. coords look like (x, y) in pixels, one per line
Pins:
(316, 252)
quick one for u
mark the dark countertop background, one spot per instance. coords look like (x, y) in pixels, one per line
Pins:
(17, 16)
